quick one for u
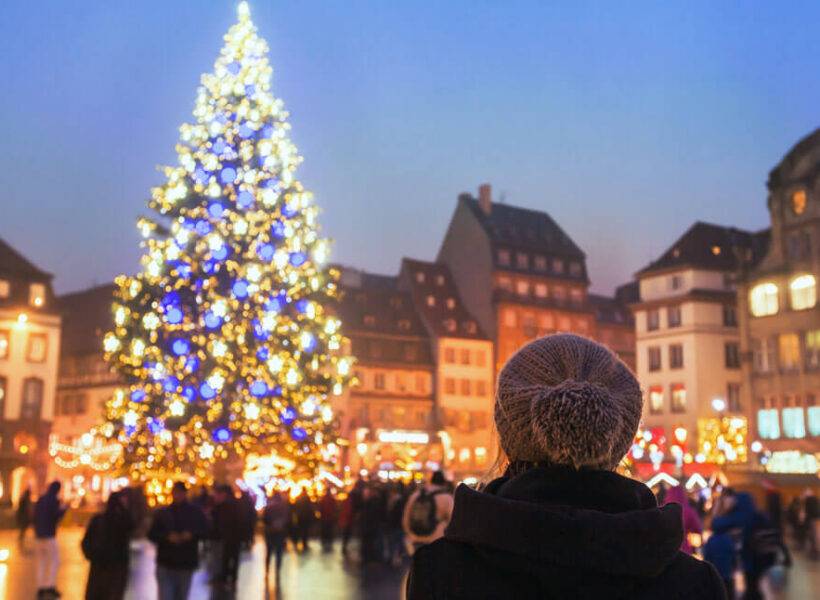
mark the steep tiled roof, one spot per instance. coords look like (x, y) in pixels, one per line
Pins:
(87, 316)
(523, 228)
(610, 310)
(783, 172)
(708, 246)
(436, 298)
(15, 265)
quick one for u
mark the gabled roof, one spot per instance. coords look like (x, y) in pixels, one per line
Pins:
(783, 171)
(87, 316)
(13, 264)
(711, 247)
(610, 310)
(448, 316)
(523, 228)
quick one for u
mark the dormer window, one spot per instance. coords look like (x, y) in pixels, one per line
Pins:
(5, 288)
(557, 265)
(575, 269)
(451, 303)
(420, 276)
(540, 263)
(37, 294)
(470, 327)
(799, 202)
(396, 302)
(440, 280)
(450, 325)
(522, 261)
(431, 300)
(504, 257)
(369, 320)
(716, 250)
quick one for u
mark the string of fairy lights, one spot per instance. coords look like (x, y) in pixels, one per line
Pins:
(224, 336)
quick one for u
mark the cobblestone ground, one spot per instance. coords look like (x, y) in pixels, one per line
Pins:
(313, 575)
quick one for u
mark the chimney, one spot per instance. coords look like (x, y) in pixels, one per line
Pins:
(485, 198)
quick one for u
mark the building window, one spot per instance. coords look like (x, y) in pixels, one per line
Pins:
(732, 355)
(449, 385)
(450, 325)
(37, 348)
(673, 316)
(410, 353)
(420, 276)
(794, 424)
(768, 424)
(729, 316)
(510, 318)
(575, 269)
(369, 320)
(465, 387)
(798, 245)
(421, 383)
(465, 356)
(505, 283)
(439, 280)
(37, 294)
(401, 384)
(451, 303)
(431, 300)
(546, 321)
(404, 325)
(733, 397)
(5, 288)
(799, 202)
(576, 296)
(763, 351)
(522, 261)
(522, 287)
(5, 341)
(559, 293)
(504, 257)
(653, 320)
(3, 384)
(32, 406)
(540, 290)
(803, 291)
(678, 398)
(379, 382)
(557, 265)
(654, 356)
(582, 325)
(676, 356)
(540, 263)
(564, 323)
(789, 351)
(812, 411)
(763, 300)
(480, 358)
(470, 327)
(480, 388)
(656, 399)
(812, 345)
(375, 349)
(675, 282)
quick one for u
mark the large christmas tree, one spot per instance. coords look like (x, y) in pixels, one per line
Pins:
(224, 337)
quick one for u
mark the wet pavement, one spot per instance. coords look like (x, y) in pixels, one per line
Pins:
(313, 575)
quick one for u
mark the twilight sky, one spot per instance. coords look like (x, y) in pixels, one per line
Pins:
(625, 121)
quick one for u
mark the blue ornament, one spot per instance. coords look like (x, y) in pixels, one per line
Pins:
(298, 434)
(155, 426)
(201, 175)
(173, 315)
(297, 259)
(245, 131)
(184, 270)
(302, 305)
(192, 364)
(219, 146)
(240, 288)
(220, 253)
(234, 67)
(228, 175)
(288, 415)
(216, 210)
(138, 395)
(209, 266)
(277, 230)
(203, 227)
(267, 131)
(222, 435)
(221, 118)
(288, 211)
(170, 384)
(276, 303)
(265, 251)
(259, 388)
(250, 90)
(244, 199)
(171, 299)
(206, 391)
(189, 393)
(263, 353)
(180, 346)
(277, 391)
(212, 321)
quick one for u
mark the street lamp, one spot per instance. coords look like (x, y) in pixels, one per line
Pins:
(719, 404)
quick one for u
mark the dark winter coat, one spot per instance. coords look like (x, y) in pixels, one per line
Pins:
(178, 518)
(47, 513)
(107, 539)
(560, 533)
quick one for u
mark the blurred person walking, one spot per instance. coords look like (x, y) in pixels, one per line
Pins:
(48, 511)
(691, 520)
(227, 534)
(23, 516)
(276, 519)
(328, 510)
(305, 516)
(176, 531)
(107, 546)
(560, 523)
(427, 512)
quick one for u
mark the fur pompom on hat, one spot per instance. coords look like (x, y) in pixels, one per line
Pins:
(566, 400)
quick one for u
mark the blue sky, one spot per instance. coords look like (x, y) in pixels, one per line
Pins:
(625, 121)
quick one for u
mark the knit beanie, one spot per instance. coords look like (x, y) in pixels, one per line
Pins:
(566, 400)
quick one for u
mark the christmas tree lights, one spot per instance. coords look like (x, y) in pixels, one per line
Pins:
(225, 338)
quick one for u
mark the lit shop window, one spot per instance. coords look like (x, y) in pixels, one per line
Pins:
(803, 291)
(763, 300)
(480, 455)
(768, 423)
(5, 288)
(37, 294)
(656, 399)
(814, 420)
(794, 424)
(678, 398)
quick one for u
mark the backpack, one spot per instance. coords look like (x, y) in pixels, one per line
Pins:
(93, 544)
(423, 518)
